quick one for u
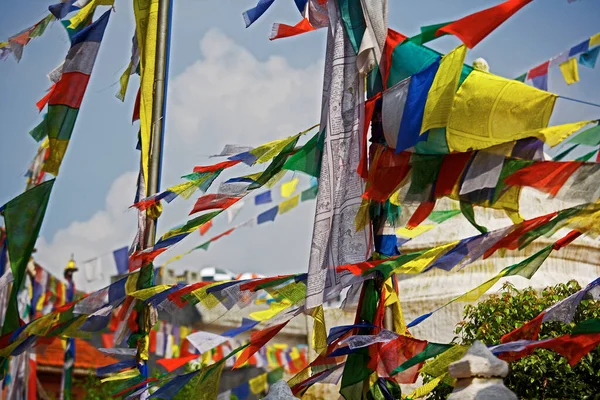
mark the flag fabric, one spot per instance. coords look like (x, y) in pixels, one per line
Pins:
(473, 28)
(442, 91)
(23, 218)
(251, 15)
(589, 58)
(282, 30)
(570, 71)
(64, 104)
(121, 257)
(214, 201)
(288, 188)
(508, 110)
(263, 198)
(268, 215)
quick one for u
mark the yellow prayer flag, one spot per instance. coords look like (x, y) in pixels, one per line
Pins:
(570, 71)
(130, 373)
(490, 110)
(124, 82)
(258, 384)
(319, 333)
(146, 19)
(427, 388)
(85, 12)
(207, 387)
(416, 231)
(474, 294)
(594, 40)
(392, 300)
(145, 294)
(288, 205)
(289, 187)
(274, 309)
(131, 282)
(362, 218)
(442, 91)
(553, 135)
(420, 263)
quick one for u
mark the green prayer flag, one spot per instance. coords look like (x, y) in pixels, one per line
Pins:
(589, 137)
(467, 210)
(308, 158)
(509, 167)
(387, 267)
(587, 326)
(529, 266)
(40, 131)
(430, 351)
(276, 165)
(23, 218)
(354, 23)
(586, 157)
(563, 154)
(440, 216)
(548, 228)
(428, 33)
(310, 193)
(424, 173)
(521, 78)
(275, 375)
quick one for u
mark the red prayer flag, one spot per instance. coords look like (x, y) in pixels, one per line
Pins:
(393, 354)
(136, 108)
(392, 40)
(282, 30)
(420, 214)
(473, 28)
(205, 227)
(217, 166)
(44, 100)
(171, 364)
(219, 236)
(529, 331)
(257, 340)
(386, 174)
(540, 70)
(362, 168)
(511, 241)
(214, 201)
(547, 176)
(450, 172)
(566, 240)
(176, 297)
(358, 268)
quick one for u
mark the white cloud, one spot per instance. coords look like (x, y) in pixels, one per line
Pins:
(226, 96)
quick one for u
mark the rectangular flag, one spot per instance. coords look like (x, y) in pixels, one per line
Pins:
(64, 104)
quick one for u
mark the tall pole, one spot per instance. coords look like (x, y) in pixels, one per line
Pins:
(158, 111)
(146, 275)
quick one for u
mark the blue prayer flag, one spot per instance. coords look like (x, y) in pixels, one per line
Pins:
(268, 215)
(121, 260)
(246, 325)
(540, 82)
(580, 48)
(412, 117)
(251, 15)
(242, 391)
(263, 198)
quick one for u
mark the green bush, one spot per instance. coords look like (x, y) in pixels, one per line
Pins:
(545, 374)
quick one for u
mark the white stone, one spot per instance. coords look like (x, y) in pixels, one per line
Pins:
(280, 391)
(478, 362)
(481, 389)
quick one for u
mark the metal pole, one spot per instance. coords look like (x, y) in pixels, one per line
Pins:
(158, 106)
(146, 275)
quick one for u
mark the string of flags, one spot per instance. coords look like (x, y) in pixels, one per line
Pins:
(266, 216)
(426, 143)
(584, 53)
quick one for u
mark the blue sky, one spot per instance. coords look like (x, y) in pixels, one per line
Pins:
(228, 84)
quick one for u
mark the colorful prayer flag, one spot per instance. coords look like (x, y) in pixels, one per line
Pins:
(570, 71)
(64, 104)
